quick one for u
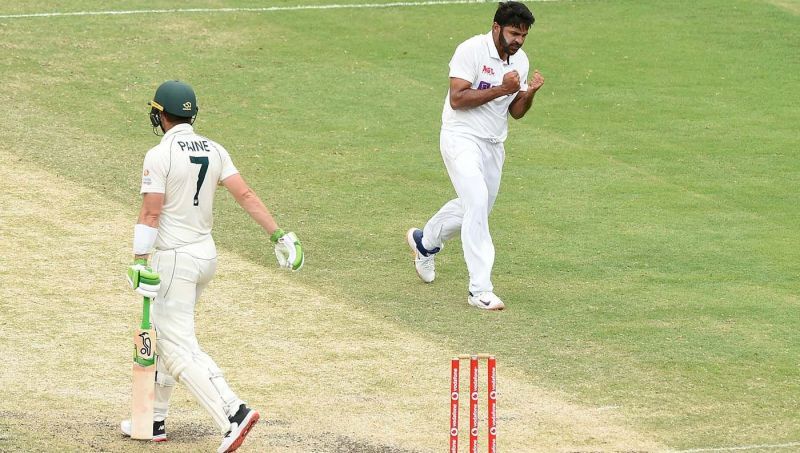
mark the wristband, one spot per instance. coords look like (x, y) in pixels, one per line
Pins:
(276, 235)
(144, 238)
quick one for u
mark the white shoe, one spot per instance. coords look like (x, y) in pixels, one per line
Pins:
(159, 431)
(241, 422)
(486, 300)
(426, 269)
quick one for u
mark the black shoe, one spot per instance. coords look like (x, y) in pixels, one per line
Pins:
(241, 422)
(159, 430)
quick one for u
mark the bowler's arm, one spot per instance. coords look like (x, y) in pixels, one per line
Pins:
(463, 96)
(524, 100)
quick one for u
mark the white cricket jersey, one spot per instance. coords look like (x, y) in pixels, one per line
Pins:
(186, 168)
(476, 60)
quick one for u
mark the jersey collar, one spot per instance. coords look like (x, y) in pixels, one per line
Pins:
(488, 39)
(183, 128)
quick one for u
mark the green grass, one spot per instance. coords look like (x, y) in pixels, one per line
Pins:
(646, 228)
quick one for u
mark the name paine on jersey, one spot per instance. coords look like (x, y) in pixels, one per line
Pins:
(194, 146)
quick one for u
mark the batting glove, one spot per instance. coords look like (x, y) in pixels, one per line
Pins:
(143, 279)
(288, 250)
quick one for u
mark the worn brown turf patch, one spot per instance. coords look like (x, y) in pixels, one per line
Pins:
(793, 6)
(325, 376)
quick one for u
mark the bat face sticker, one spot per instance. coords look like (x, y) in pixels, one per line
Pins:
(146, 348)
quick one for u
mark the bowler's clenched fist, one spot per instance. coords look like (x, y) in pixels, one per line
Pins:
(536, 81)
(510, 82)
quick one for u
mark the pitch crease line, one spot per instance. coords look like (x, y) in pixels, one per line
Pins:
(265, 9)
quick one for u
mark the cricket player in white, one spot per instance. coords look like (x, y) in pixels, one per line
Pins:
(179, 180)
(488, 82)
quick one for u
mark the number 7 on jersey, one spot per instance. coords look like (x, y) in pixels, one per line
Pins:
(203, 162)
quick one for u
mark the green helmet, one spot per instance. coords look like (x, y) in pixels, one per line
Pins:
(174, 97)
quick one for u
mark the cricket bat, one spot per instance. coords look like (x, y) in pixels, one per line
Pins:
(144, 377)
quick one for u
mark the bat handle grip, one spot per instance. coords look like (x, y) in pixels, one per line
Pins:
(145, 313)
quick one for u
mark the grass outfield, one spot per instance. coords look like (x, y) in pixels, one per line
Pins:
(646, 228)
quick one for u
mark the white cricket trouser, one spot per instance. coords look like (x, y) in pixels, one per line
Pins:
(475, 167)
(183, 278)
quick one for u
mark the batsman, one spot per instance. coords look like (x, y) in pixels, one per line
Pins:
(173, 232)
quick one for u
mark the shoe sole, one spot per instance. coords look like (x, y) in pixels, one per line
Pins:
(413, 245)
(154, 439)
(249, 422)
